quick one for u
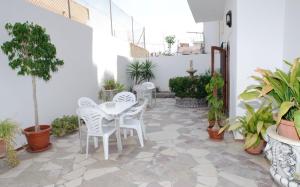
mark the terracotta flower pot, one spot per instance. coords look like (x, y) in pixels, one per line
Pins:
(2, 148)
(257, 149)
(212, 123)
(38, 141)
(288, 130)
(214, 134)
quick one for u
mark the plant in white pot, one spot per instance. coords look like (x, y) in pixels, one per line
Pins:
(282, 89)
(31, 53)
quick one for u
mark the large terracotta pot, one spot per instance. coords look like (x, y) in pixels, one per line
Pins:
(214, 134)
(38, 141)
(2, 148)
(257, 149)
(287, 129)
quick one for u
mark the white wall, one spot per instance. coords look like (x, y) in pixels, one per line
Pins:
(89, 54)
(292, 30)
(212, 34)
(260, 39)
(174, 66)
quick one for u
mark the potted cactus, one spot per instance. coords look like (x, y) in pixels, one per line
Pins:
(31, 53)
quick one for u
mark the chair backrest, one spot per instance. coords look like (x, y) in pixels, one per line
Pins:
(92, 118)
(86, 102)
(148, 85)
(124, 97)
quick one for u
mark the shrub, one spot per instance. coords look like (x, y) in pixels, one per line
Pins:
(64, 125)
(193, 87)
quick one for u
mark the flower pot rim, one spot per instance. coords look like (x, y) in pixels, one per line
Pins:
(272, 133)
(29, 130)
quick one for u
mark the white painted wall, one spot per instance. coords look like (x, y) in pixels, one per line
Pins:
(292, 30)
(89, 54)
(167, 67)
(212, 34)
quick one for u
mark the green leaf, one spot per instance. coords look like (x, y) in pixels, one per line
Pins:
(297, 121)
(249, 95)
(259, 126)
(249, 109)
(284, 108)
(235, 126)
(251, 141)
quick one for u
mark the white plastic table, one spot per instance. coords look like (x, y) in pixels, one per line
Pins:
(115, 110)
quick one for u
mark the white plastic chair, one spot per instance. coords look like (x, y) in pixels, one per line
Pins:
(86, 102)
(134, 120)
(124, 97)
(93, 119)
(147, 91)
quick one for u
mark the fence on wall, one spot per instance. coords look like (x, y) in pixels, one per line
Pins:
(122, 25)
(67, 8)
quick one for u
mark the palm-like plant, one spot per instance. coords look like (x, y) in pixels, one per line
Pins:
(280, 88)
(135, 72)
(147, 70)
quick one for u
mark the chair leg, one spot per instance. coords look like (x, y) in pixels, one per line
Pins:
(125, 133)
(96, 142)
(105, 147)
(87, 146)
(140, 135)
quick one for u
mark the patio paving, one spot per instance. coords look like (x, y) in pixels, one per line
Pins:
(177, 153)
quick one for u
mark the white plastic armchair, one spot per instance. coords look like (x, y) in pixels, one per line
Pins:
(93, 119)
(134, 120)
(124, 97)
(86, 102)
(147, 91)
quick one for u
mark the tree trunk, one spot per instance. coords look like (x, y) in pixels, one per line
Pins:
(36, 115)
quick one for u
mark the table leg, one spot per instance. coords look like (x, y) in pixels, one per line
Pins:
(119, 141)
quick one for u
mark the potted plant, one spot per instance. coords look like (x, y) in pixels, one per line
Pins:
(8, 131)
(253, 126)
(281, 89)
(215, 114)
(110, 89)
(147, 70)
(170, 40)
(64, 125)
(30, 52)
(134, 71)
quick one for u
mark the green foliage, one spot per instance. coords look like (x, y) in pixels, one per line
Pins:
(281, 89)
(193, 87)
(8, 131)
(147, 70)
(111, 84)
(253, 125)
(64, 125)
(141, 71)
(214, 86)
(170, 40)
(30, 51)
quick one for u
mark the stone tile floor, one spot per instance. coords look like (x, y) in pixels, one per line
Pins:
(177, 153)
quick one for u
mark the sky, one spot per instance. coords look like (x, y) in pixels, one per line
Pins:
(162, 18)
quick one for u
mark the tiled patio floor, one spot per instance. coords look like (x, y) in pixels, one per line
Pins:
(177, 153)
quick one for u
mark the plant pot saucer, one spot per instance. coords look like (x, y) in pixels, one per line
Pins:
(40, 150)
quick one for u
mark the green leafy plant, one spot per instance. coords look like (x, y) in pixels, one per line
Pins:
(30, 52)
(281, 89)
(111, 84)
(253, 125)
(193, 87)
(8, 131)
(141, 71)
(215, 84)
(170, 40)
(64, 125)
(135, 72)
(147, 70)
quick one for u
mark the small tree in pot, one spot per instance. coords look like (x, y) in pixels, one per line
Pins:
(30, 52)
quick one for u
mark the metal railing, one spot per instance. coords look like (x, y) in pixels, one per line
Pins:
(67, 8)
